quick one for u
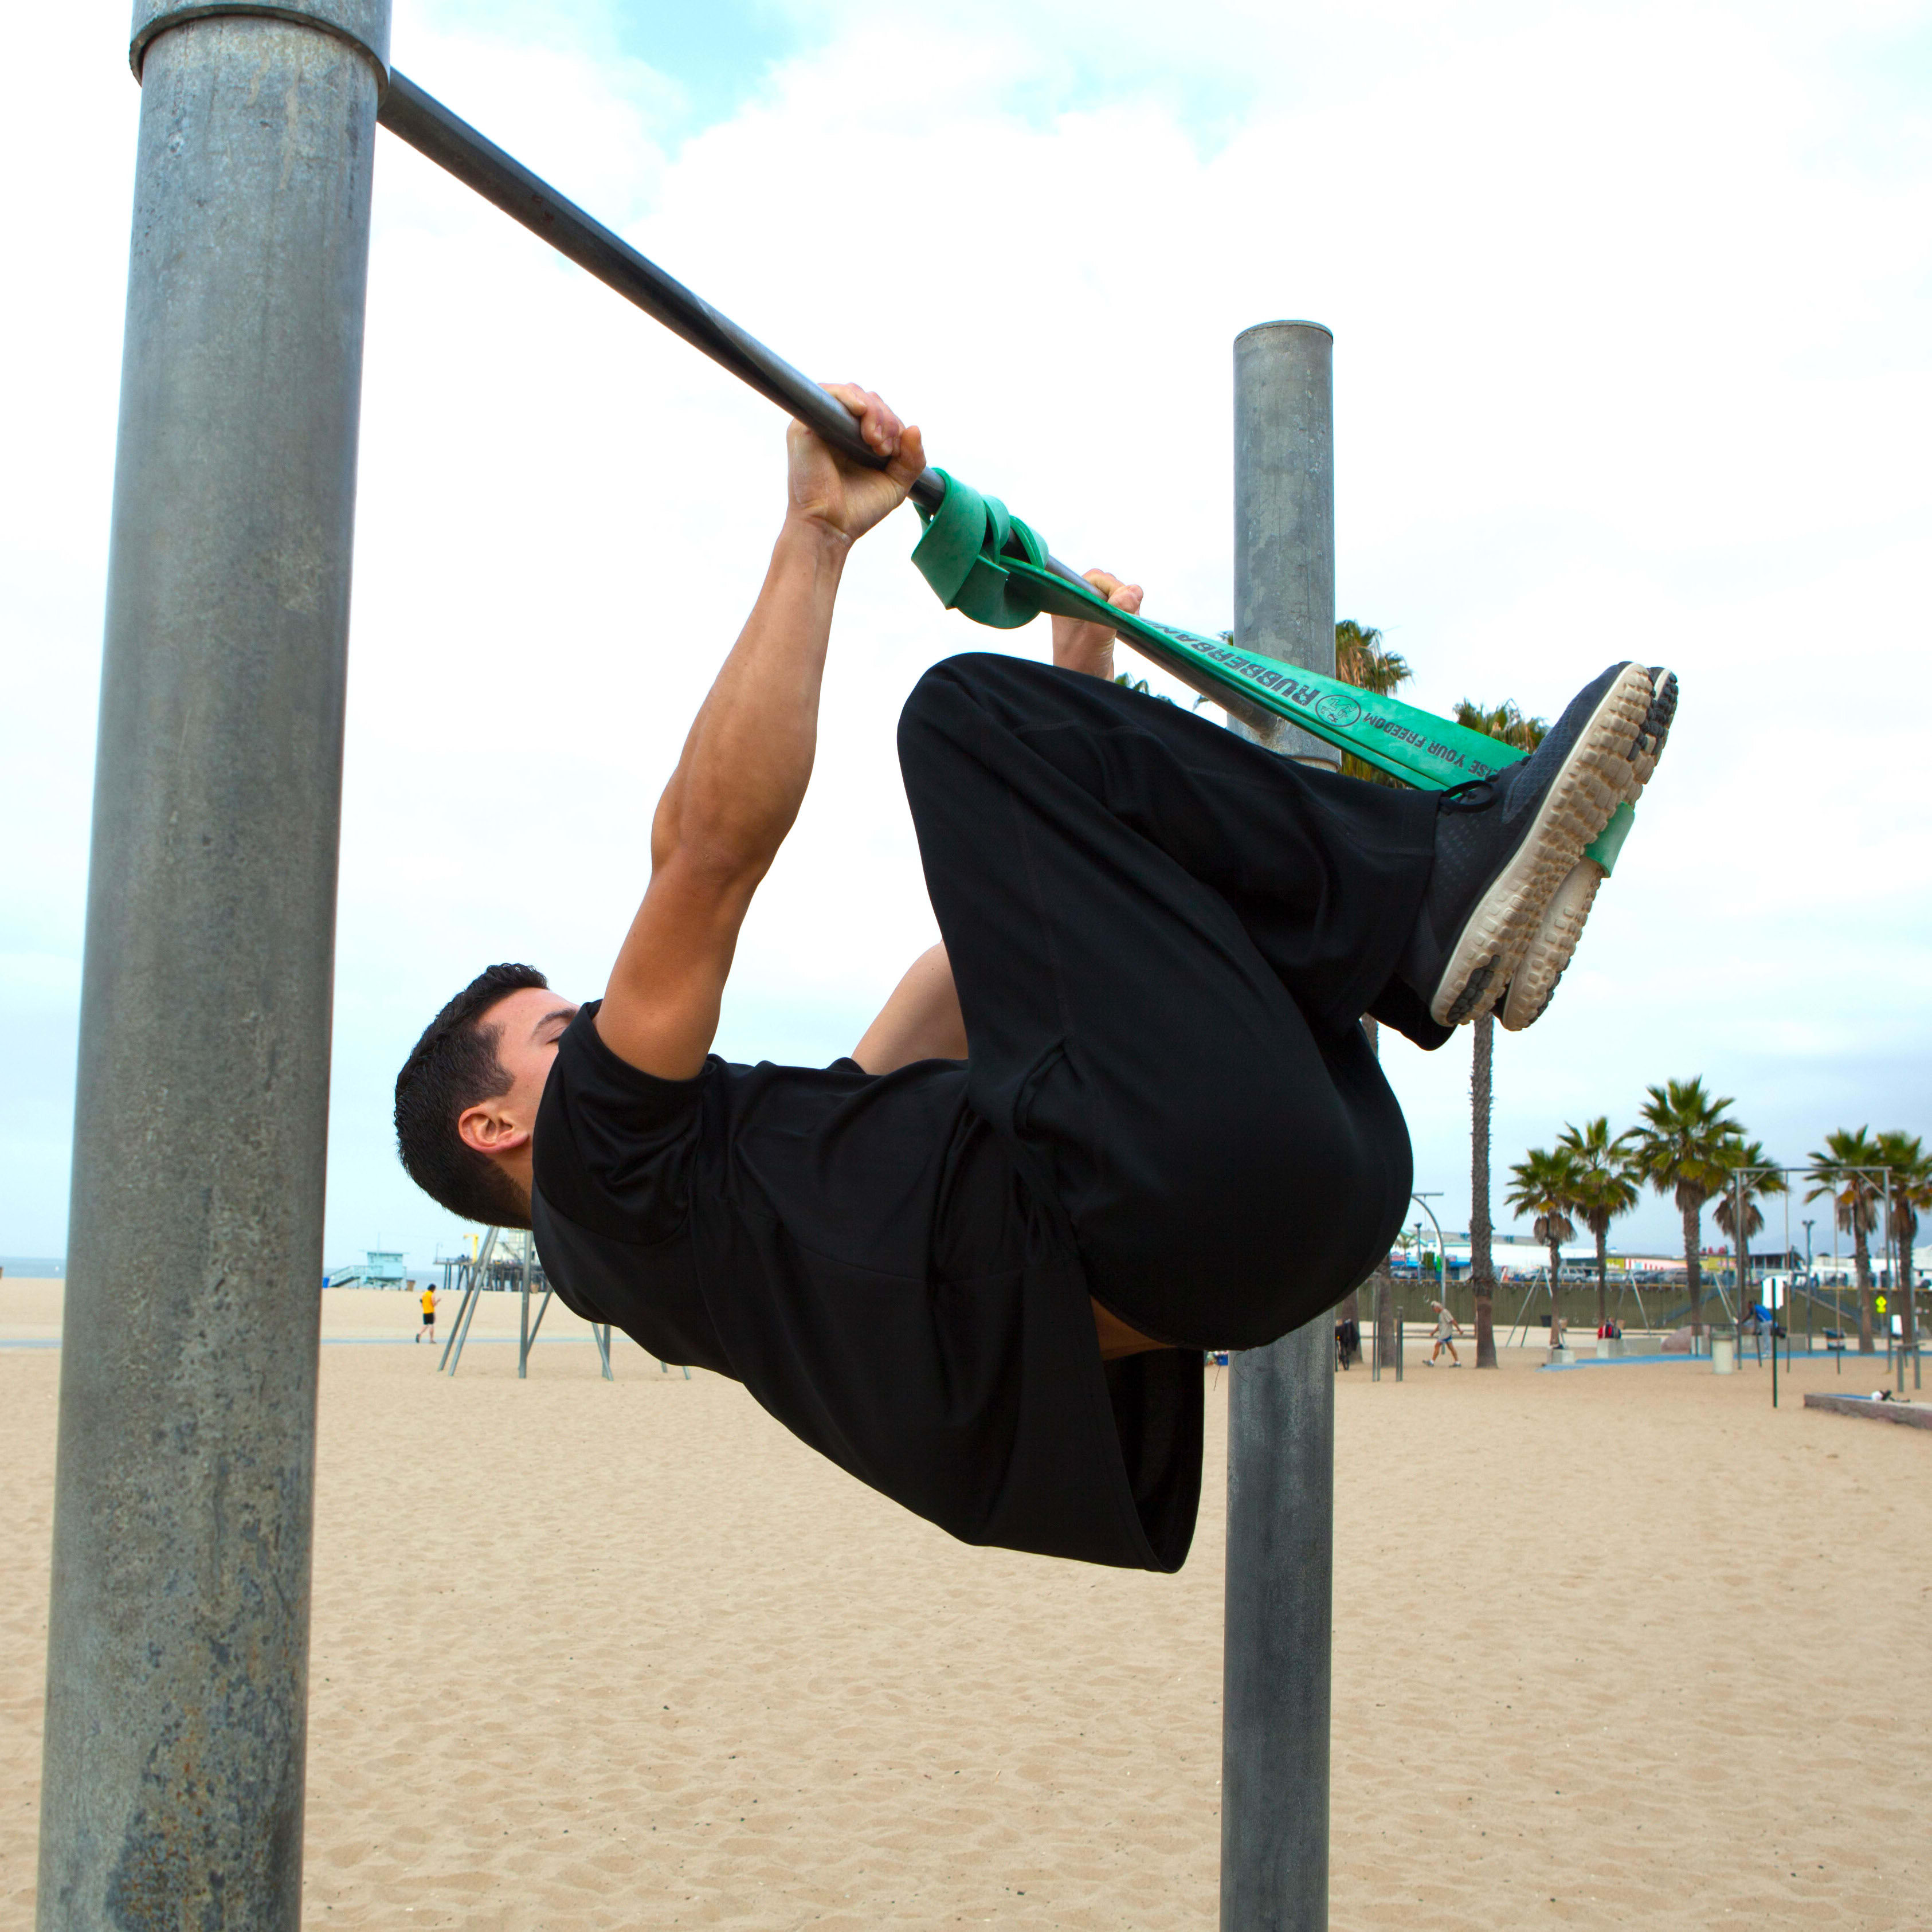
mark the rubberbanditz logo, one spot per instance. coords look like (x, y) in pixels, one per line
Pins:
(1339, 712)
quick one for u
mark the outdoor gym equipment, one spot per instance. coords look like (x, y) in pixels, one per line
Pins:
(177, 1673)
(474, 1275)
(980, 559)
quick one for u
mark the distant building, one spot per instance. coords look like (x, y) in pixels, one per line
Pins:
(1517, 1259)
(378, 1269)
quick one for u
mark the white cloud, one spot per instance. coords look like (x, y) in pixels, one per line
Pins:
(1630, 307)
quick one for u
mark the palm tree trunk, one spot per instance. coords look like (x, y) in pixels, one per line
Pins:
(1693, 1274)
(1482, 1262)
(1556, 1283)
(1861, 1254)
(1602, 1278)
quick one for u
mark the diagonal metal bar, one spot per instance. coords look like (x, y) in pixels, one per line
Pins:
(1251, 690)
(449, 141)
(479, 1276)
(468, 1307)
(446, 139)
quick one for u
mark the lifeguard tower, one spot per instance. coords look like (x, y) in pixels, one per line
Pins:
(379, 1269)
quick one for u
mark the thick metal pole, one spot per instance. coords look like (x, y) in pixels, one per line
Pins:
(177, 1673)
(1284, 510)
(1281, 1400)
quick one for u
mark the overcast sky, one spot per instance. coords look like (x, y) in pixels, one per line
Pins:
(1633, 358)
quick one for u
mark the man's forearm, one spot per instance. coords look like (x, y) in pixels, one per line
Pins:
(746, 762)
(747, 759)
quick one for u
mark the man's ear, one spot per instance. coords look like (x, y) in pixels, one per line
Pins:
(489, 1130)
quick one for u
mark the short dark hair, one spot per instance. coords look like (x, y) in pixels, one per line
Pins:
(453, 1066)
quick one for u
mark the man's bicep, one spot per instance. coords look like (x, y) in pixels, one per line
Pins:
(660, 1011)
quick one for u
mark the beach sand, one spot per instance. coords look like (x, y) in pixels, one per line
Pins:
(1614, 1647)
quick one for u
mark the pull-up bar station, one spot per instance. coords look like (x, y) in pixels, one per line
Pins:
(179, 1637)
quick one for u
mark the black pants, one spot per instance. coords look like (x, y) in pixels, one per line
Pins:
(1164, 938)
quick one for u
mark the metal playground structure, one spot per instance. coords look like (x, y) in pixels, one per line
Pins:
(517, 1263)
(177, 1687)
(1873, 1182)
(517, 1266)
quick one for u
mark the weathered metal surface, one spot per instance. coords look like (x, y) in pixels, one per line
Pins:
(179, 1632)
(363, 23)
(1285, 510)
(1281, 1400)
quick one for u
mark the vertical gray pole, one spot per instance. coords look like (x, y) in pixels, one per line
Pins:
(524, 1341)
(1281, 1400)
(177, 1668)
(1898, 1276)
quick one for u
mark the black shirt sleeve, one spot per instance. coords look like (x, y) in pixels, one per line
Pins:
(613, 1143)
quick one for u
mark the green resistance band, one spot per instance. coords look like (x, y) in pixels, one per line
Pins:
(983, 561)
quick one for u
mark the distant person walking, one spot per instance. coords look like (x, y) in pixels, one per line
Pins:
(428, 1331)
(1446, 1329)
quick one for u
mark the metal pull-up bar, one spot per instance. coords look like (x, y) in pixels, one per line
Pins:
(501, 179)
(1253, 690)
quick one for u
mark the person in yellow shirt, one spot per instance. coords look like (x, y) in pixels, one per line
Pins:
(427, 1330)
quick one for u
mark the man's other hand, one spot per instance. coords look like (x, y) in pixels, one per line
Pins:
(839, 495)
(1082, 647)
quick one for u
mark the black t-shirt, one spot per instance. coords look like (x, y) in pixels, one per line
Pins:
(861, 1252)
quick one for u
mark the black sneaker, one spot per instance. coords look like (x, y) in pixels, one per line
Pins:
(1504, 845)
(1562, 925)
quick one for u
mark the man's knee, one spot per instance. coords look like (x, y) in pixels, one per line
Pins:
(968, 679)
(962, 703)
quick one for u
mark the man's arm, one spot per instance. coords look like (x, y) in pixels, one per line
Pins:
(747, 759)
(921, 1021)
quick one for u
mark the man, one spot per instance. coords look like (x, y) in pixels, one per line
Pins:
(427, 1333)
(1124, 1112)
(1446, 1329)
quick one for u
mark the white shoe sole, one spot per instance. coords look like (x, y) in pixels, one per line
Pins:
(1555, 940)
(1548, 953)
(1599, 775)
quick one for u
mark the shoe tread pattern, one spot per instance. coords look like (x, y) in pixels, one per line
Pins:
(1607, 740)
(1551, 947)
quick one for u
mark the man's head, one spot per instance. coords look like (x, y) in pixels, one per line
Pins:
(467, 1098)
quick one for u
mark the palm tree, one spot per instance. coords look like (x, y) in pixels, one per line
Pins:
(1763, 1177)
(1482, 1257)
(1847, 1168)
(1604, 1189)
(1681, 1146)
(1507, 722)
(1362, 660)
(1504, 720)
(1543, 1182)
(1911, 1170)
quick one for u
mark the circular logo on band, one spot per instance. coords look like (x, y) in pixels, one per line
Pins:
(1339, 712)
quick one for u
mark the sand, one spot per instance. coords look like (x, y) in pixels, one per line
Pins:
(1617, 1646)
